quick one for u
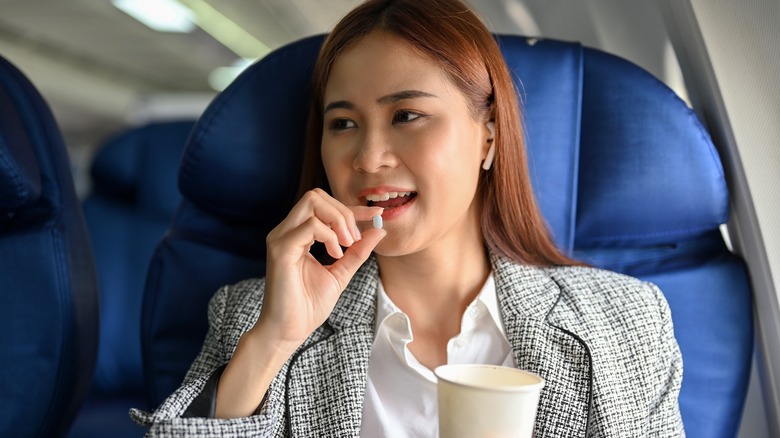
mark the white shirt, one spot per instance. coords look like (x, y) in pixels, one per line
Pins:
(400, 399)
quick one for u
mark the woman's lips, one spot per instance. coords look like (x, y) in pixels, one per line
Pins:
(393, 199)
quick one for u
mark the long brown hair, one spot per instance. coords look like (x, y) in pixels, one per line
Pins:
(449, 33)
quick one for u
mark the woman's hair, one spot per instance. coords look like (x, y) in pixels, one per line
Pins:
(450, 34)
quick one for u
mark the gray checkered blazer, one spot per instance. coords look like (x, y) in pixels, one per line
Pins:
(602, 341)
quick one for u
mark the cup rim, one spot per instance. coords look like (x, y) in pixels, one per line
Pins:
(531, 387)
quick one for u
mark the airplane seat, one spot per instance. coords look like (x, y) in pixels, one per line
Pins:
(626, 177)
(238, 178)
(645, 196)
(49, 313)
(133, 198)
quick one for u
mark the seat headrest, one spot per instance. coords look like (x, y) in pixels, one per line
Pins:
(244, 155)
(20, 175)
(139, 166)
(601, 133)
(609, 138)
(644, 150)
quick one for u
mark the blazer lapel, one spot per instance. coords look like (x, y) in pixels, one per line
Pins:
(541, 344)
(327, 380)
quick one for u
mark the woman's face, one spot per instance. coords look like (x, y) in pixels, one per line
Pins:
(396, 127)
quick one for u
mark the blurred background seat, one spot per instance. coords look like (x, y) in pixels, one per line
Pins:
(49, 311)
(625, 175)
(133, 198)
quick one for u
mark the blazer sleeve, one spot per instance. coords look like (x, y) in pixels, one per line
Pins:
(189, 410)
(664, 416)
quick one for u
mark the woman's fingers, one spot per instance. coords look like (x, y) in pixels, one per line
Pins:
(314, 204)
(327, 209)
(352, 214)
(314, 229)
(346, 212)
(340, 218)
(302, 238)
(344, 268)
(363, 213)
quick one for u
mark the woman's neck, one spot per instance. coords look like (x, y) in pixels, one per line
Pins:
(430, 278)
(450, 270)
(434, 287)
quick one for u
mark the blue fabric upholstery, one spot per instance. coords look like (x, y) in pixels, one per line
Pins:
(48, 318)
(625, 175)
(637, 179)
(218, 234)
(134, 196)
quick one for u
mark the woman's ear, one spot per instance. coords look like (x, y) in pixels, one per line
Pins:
(491, 153)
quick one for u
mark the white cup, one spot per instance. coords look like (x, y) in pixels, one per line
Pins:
(487, 401)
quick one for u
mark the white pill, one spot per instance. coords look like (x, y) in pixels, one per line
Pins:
(378, 221)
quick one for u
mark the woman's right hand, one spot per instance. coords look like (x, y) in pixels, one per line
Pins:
(300, 293)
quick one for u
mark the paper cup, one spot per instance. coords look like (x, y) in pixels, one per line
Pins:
(487, 401)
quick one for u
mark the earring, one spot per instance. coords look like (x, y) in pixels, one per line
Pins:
(488, 163)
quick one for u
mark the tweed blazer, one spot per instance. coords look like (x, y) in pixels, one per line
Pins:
(602, 341)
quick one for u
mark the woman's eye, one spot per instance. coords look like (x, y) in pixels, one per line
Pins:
(405, 116)
(342, 124)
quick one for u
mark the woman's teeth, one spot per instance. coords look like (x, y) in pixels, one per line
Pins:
(385, 196)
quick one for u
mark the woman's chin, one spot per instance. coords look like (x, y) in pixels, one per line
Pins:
(391, 247)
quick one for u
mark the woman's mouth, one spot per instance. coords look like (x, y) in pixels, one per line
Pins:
(394, 203)
(389, 200)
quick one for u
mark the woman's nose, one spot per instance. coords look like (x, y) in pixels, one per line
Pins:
(374, 153)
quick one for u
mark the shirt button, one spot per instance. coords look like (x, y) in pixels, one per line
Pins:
(474, 312)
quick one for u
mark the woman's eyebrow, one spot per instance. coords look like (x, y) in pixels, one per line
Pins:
(401, 95)
(384, 100)
(343, 104)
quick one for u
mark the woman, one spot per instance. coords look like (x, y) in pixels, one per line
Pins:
(414, 118)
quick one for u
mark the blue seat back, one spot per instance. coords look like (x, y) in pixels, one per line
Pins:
(630, 181)
(133, 198)
(48, 316)
(625, 175)
(218, 234)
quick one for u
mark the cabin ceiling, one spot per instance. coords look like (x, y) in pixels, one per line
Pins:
(100, 69)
